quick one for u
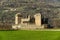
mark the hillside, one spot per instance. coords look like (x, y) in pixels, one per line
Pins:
(48, 8)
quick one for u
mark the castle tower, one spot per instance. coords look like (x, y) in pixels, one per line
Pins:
(38, 19)
(18, 18)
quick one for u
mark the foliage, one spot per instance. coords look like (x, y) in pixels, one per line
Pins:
(29, 7)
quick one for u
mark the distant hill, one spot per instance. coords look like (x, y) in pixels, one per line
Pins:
(28, 7)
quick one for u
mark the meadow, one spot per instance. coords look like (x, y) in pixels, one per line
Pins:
(29, 35)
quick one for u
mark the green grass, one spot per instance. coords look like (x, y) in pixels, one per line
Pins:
(29, 35)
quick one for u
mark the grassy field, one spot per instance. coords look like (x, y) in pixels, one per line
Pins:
(29, 35)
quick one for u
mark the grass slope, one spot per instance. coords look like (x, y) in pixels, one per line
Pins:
(29, 35)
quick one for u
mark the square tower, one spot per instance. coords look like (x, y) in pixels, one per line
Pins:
(38, 19)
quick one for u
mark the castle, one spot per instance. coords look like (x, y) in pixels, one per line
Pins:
(26, 23)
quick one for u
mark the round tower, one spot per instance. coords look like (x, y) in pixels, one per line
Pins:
(18, 18)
